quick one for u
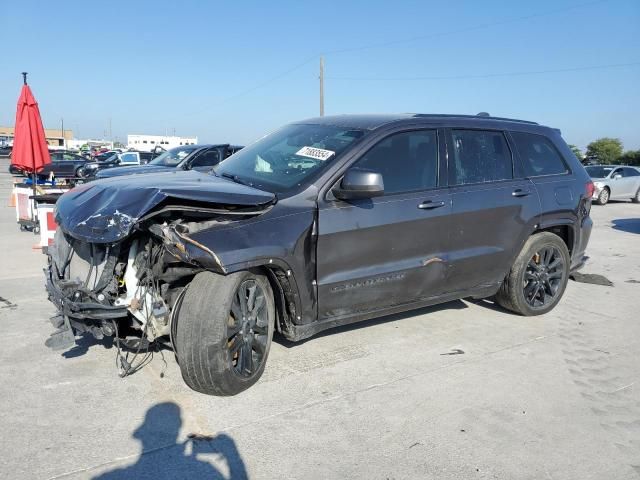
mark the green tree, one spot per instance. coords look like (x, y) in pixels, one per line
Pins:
(605, 150)
(631, 157)
(576, 151)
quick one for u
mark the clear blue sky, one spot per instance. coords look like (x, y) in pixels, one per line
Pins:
(204, 68)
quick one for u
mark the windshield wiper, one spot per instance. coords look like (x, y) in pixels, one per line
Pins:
(233, 178)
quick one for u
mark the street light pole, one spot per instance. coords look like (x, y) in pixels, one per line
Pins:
(64, 143)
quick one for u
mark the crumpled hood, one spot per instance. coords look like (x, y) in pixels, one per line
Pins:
(106, 210)
(119, 171)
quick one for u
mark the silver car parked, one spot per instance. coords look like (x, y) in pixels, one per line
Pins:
(615, 182)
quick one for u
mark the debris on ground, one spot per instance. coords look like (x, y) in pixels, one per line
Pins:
(592, 278)
(455, 351)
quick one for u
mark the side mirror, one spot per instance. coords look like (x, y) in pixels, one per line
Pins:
(359, 183)
(617, 176)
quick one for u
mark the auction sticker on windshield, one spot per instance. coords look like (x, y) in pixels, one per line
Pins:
(315, 153)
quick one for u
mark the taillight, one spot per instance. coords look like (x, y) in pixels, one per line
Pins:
(590, 189)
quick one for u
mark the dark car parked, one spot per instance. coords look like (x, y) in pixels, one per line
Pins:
(325, 222)
(63, 165)
(189, 157)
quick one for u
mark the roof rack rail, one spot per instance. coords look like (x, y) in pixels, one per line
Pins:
(480, 116)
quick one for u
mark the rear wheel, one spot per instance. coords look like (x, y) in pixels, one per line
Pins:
(603, 198)
(224, 330)
(636, 198)
(538, 277)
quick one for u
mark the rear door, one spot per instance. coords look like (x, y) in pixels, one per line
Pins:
(389, 250)
(617, 184)
(57, 165)
(492, 208)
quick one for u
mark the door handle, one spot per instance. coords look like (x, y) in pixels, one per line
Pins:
(520, 193)
(428, 205)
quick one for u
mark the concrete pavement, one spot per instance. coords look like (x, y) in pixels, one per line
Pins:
(556, 396)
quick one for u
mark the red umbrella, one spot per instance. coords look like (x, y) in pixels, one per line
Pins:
(30, 149)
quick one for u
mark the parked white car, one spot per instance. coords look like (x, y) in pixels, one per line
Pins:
(615, 182)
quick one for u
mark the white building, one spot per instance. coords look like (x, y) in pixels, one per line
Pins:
(75, 144)
(148, 143)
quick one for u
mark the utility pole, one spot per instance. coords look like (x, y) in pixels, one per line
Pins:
(64, 143)
(322, 86)
(110, 131)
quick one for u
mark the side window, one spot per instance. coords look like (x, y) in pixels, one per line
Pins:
(480, 156)
(617, 171)
(206, 159)
(408, 161)
(631, 172)
(538, 154)
(69, 157)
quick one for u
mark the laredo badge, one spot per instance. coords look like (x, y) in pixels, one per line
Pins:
(315, 153)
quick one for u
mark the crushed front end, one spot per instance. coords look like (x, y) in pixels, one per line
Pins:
(103, 289)
(123, 254)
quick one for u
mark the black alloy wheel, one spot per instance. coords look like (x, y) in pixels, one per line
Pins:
(248, 328)
(543, 277)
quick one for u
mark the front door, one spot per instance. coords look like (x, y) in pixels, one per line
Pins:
(389, 250)
(491, 209)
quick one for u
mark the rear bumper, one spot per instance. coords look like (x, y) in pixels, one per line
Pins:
(578, 257)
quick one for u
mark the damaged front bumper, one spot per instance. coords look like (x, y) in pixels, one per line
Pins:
(75, 315)
(68, 298)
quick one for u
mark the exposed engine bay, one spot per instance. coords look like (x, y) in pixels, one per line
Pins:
(131, 288)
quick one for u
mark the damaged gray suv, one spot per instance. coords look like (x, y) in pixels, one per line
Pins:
(325, 222)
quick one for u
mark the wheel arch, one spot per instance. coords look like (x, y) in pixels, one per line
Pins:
(285, 290)
(564, 230)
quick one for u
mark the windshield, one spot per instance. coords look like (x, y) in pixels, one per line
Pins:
(599, 172)
(288, 157)
(172, 157)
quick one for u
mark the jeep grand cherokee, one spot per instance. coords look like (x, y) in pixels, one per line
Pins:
(325, 222)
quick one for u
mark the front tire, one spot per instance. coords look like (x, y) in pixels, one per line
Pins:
(224, 330)
(538, 278)
(636, 198)
(603, 197)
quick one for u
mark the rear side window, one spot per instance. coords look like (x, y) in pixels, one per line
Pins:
(539, 155)
(408, 161)
(480, 156)
(631, 172)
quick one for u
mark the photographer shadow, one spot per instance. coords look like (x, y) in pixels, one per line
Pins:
(163, 457)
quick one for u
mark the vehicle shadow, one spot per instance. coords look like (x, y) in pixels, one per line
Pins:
(629, 225)
(454, 305)
(162, 457)
(84, 342)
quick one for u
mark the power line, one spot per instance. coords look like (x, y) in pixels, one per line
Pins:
(395, 42)
(489, 75)
(472, 28)
(258, 86)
